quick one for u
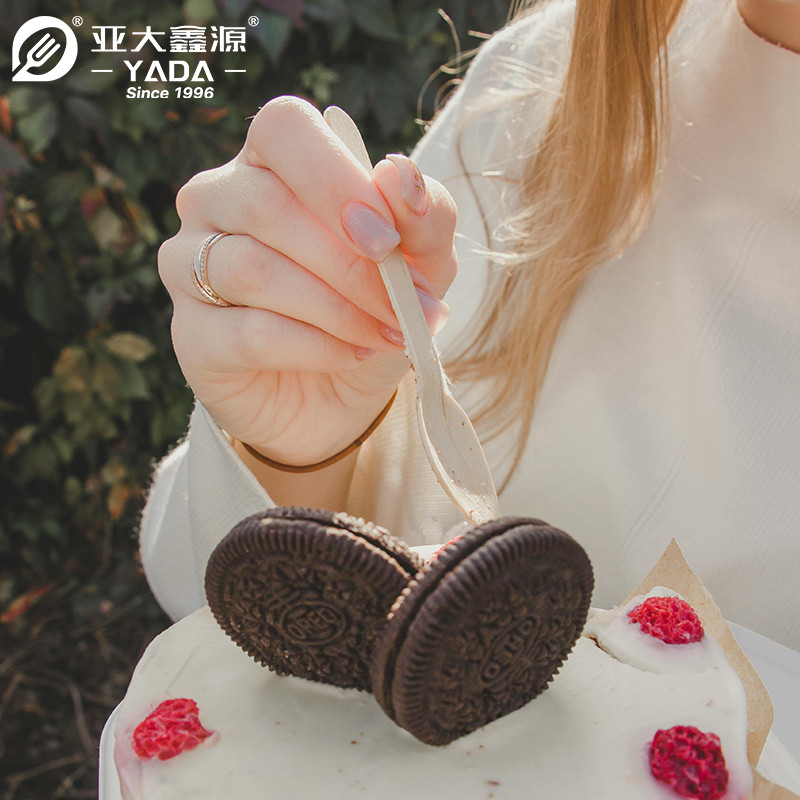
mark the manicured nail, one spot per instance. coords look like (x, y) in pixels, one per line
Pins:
(364, 352)
(392, 335)
(436, 312)
(373, 235)
(412, 184)
(419, 279)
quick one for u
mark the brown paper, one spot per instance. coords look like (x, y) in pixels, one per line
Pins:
(674, 573)
(764, 790)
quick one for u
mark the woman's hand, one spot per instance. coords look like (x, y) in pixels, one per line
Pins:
(309, 352)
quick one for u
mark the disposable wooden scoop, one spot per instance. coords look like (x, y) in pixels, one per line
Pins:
(450, 441)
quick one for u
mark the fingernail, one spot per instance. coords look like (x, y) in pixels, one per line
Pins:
(412, 184)
(436, 312)
(392, 335)
(372, 234)
(363, 352)
(419, 279)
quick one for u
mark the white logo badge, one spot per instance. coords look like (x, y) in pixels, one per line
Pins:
(43, 51)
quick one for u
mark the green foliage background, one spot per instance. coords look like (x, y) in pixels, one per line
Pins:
(90, 392)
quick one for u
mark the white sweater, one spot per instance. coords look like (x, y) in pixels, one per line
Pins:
(670, 404)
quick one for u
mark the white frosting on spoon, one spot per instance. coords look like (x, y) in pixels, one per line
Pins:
(587, 736)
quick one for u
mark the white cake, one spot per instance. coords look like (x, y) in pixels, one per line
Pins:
(587, 736)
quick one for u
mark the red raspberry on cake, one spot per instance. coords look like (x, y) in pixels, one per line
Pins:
(670, 619)
(174, 726)
(689, 761)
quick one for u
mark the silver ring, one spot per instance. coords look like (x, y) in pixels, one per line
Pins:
(200, 271)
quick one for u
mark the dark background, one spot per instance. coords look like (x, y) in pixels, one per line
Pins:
(90, 393)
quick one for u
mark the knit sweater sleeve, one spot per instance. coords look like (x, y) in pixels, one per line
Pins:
(199, 492)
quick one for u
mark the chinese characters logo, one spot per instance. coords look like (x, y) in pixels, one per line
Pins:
(45, 48)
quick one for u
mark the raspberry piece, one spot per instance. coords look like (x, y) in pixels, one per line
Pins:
(174, 726)
(670, 619)
(689, 761)
(444, 547)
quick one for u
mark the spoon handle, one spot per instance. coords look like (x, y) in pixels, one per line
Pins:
(396, 277)
(450, 442)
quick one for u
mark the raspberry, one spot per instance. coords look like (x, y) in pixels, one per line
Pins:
(670, 619)
(689, 761)
(174, 726)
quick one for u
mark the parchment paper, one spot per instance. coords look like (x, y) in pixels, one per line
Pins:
(672, 571)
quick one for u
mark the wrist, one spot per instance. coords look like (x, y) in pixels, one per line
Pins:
(327, 488)
(325, 462)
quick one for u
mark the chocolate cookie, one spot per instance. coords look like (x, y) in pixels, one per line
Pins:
(483, 629)
(306, 592)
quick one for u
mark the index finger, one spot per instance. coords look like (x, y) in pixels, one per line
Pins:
(290, 137)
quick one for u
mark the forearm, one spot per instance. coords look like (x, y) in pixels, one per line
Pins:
(777, 21)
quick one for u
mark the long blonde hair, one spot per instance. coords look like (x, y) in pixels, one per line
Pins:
(585, 194)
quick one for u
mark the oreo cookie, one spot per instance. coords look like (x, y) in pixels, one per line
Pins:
(483, 629)
(306, 592)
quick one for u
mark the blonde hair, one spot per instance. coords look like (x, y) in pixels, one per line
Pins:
(585, 192)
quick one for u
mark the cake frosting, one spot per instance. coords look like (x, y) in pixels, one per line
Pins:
(587, 736)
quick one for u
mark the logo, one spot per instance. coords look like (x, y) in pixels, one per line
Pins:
(43, 50)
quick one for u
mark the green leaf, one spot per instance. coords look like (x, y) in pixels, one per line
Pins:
(390, 102)
(39, 462)
(105, 380)
(84, 81)
(326, 10)
(130, 346)
(339, 34)
(19, 440)
(63, 447)
(72, 490)
(419, 24)
(272, 33)
(65, 188)
(12, 159)
(38, 128)
(353, 90)
(45, 393)
(107, 228)
(375, 18)
(78, 410)
(318, 80)
(235, 8)
(133, 385)
(89, 115)
(46, 298)
(199, 12)
(288, 8)
(71, 370)
(23, 100)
